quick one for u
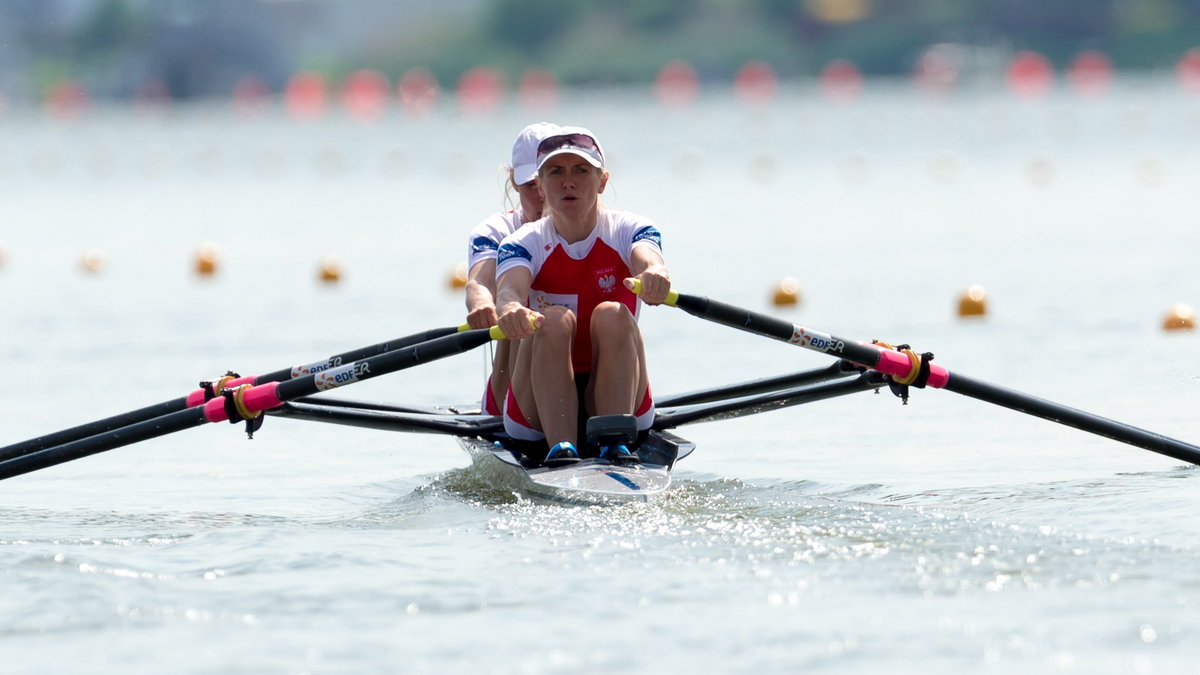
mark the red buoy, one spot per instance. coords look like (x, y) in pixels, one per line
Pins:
(251, 94)
(538, 88)
(1030, 75)
(1091, 73)
(479, 89)
(755, 82)
(365, 94)
(841, 80)
(1187, 69)
(66, 99)
(677, 84)
(418, 91)
(305, 95)
(938, 69)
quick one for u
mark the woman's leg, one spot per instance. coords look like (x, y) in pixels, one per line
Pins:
(619, 375)
(543, 381)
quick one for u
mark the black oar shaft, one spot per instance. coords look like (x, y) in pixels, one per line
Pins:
(773, 400)
(132, 433)
(92, 428)
(160, 409)
(1072, 417)
(837, 370)
(769, 326)
(884, 359)
(356, 354)
(258, 399)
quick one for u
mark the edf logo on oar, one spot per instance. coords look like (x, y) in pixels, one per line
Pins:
(340, 376)
(317, 367)
(816, 340)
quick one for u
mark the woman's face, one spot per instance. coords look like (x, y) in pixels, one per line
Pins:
(531, 200)
(571, 185)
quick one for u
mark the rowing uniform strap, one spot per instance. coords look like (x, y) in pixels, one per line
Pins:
(490, 405)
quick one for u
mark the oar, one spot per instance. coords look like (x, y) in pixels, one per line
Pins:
(199, 396)
(316, 410)
(713, 410)
(903, 367)
(769, 384)
(248, 401)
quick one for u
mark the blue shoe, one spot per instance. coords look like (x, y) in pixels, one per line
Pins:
(618, 454)
(562, 453)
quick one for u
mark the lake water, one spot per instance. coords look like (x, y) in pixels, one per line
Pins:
(852, 535)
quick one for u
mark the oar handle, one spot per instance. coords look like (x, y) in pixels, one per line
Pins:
(672, 296)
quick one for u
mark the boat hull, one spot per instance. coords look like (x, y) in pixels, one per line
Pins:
(586, 482)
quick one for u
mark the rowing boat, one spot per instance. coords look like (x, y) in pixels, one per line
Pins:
(301, 393)
(591, 481)
(587, 482)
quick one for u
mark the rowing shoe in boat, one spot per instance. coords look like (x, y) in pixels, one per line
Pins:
(589, 481)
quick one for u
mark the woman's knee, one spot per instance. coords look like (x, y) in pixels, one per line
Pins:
(559, 325)
(611, 319)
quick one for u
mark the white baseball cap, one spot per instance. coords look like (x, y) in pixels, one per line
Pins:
(524, 150)
(574, 140)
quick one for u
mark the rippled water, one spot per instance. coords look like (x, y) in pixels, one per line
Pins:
(852, 535)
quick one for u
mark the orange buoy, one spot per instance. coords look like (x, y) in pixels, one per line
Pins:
(458, 277)
(787, 293)
(331, 270)
(973, 301)
(1180, 317)
(206, 260)
(93, 261)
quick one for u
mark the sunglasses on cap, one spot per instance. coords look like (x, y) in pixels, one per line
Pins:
(581, 141)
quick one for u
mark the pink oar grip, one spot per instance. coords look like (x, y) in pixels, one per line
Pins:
(897, 364)
(263, 397)
(256, 399)
(197, 397)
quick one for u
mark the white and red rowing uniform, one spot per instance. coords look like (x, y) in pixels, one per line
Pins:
(578, 276)
(484, 243)
(486, 236)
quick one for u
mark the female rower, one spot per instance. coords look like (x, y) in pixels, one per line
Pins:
(564, 290)
(481, 253)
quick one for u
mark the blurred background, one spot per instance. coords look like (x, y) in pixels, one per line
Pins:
(941, 145)
(65, 54)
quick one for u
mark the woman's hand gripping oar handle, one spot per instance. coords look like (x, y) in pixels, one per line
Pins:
(900, 366)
